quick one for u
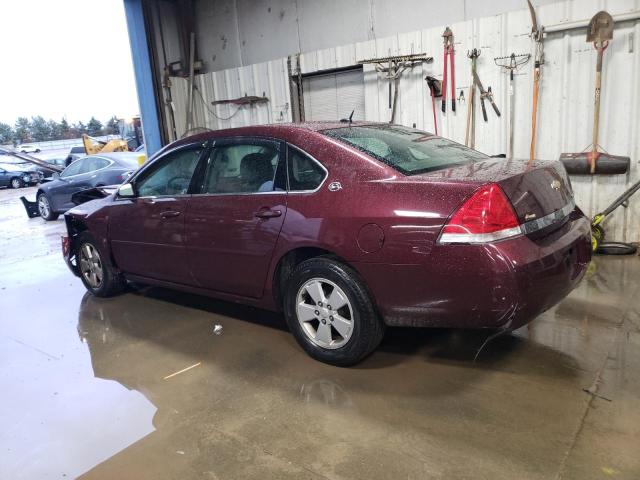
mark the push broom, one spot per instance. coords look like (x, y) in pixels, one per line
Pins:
(599, 31)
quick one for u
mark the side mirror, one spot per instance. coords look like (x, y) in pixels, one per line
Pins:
(55, 175)
(126, 191)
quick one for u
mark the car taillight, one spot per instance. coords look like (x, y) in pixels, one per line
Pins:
(66, 244)
(486, 217)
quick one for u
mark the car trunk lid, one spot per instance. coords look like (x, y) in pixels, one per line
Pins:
(537, 191)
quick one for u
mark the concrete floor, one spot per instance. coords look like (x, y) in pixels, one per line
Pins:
(92, 387)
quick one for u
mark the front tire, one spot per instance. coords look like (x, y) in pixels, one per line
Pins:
(44, 208)
(98, 277)
(17, 183)
(330, 312)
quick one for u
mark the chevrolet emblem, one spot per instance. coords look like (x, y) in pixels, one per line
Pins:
(555, 184)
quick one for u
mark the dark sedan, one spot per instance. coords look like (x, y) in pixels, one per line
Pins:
(17, 176)
(346, 228)
(54, 198)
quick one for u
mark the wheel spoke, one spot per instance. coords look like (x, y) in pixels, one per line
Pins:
(84, 264)
(342, 325)
(323, 333)
(337, 299)
(306, 312)
(315, 292)
(88, 252)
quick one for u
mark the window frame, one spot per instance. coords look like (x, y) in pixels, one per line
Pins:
(153, 165)
(201, 170)
(315, 160)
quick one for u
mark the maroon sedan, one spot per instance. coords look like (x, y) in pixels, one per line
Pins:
(347, 228)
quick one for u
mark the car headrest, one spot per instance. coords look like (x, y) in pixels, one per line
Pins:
(256, 167)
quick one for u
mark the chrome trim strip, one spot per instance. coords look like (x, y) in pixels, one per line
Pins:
(543, 222)
(479, 237)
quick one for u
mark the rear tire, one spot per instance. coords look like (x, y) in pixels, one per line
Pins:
(17, 183)
(342, 334)
(98, 277)
(44, 208)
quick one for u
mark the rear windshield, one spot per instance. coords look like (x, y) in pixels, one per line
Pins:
(409, 151)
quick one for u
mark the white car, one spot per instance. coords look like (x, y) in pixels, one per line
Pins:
(28, 148)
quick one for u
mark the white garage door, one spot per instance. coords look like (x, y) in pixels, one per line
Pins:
(333, 96)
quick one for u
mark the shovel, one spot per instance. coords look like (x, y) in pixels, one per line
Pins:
(599, 31)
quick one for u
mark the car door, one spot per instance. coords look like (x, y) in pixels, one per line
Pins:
(235, 216)
(147, 231)
(4, 178)
(60, 190)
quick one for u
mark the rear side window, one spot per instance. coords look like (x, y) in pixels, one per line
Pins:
(244, 166)
(73, 169)
(91, 164)
(409, 151)
(304, 172)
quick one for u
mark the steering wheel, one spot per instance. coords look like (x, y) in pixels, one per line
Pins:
(180, 186)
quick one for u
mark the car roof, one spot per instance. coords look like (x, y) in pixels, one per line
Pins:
(122, 158)
(275, 129)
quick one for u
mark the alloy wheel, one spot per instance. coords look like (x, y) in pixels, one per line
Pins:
(15, 183)
(91, 265)
(43, 206)
(324, 313)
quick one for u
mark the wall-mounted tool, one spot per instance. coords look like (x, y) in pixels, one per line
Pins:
(510, 64)
(537, 35)
(435, 88)
(599, 31)
(250, 100)
(470, 137)
(470, 134)
(485, 94)
(448, 59)
(391, 68)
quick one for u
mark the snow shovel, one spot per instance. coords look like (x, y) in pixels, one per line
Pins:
(599, 31)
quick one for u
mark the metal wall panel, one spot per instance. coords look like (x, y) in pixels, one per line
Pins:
(566, 98)
(268, 79)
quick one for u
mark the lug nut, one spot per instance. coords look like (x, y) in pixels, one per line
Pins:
(317, 312)
(319, 304)
(324, 321)
(331, 318)
(329, 307)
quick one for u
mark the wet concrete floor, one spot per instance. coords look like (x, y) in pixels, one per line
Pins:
(139, 386)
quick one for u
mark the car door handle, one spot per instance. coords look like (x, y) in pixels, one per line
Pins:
(169, 214)
(268, 213)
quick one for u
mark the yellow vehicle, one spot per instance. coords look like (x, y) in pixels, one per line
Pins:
(131, 138)
(93, 145)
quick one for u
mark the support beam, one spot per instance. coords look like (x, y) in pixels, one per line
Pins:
(144, 76)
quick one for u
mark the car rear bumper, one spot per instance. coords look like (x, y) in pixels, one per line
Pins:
(499, 285)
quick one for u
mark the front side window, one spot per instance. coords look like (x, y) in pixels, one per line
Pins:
(244, 167)
(304, 172)
(171, 175)
(409, 151)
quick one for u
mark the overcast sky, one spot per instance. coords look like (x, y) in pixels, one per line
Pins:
(65, 58)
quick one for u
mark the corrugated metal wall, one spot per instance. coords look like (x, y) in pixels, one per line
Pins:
(566, 111)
